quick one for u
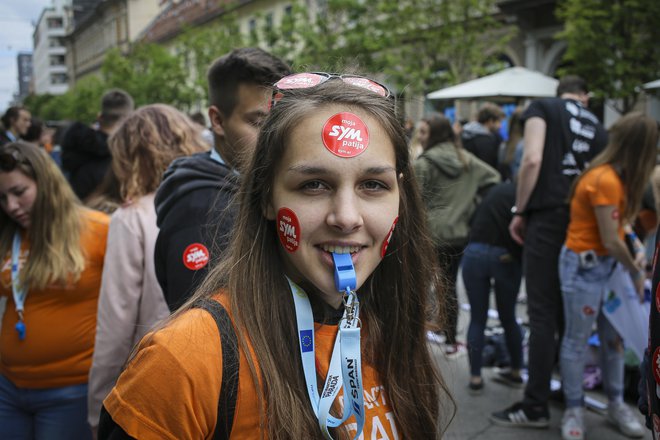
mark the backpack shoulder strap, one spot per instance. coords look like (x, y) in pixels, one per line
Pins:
(230, 365)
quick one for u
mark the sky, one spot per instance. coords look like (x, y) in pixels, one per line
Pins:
(16, 29)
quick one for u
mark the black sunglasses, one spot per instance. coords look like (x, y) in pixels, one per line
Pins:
(312, 79)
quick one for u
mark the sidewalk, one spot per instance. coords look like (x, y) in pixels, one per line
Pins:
(471, 420)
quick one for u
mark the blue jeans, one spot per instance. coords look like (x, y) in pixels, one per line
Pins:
(582, 290)
(481, 263)
(43, 413)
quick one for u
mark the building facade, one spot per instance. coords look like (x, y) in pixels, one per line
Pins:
(108, 24)
(49, 58)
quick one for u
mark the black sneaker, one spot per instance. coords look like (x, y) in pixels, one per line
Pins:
(506, 378)
(519, 415)
(476, 389)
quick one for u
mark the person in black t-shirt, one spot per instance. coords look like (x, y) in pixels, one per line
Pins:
(560, 138)
(493, 254)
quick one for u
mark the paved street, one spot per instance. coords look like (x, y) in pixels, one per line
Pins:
(471, 421)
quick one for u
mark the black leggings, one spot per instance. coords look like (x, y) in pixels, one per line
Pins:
(449, 258)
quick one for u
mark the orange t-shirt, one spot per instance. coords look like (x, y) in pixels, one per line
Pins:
(171, 388)
(600, 186)
(60, 321)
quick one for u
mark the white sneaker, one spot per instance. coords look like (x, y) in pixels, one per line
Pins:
(622, 417)
(572, 424)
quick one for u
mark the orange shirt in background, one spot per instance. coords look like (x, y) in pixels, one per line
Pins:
(60, 321)
(170, 390)
(598, 187)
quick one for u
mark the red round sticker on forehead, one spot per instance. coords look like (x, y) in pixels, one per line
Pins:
(196, 256)
(299, 81)
(288, 229)
(345, 135)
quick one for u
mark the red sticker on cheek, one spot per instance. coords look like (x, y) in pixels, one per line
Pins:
(196, 256)
(345, 135)
(615, 214)
(386, 242)
(288, 229)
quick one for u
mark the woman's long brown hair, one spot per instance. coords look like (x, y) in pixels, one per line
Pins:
(631, 150)
(394, 300)
(54, 232)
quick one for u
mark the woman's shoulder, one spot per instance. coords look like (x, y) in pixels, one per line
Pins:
(95, 219)
(180, 362)
(601, 173)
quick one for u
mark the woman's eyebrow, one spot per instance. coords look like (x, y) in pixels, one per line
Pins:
(312, 169)
(308, 169)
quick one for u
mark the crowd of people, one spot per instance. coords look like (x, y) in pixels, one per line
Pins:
(280, 272)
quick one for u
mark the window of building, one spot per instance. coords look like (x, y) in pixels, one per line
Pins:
(57, 60)
(58, 78)
(55, 22)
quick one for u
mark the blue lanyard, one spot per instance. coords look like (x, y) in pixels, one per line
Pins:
(18, 291)
(345, 370)
(10, 135)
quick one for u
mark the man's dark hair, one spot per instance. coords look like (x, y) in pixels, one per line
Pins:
(116, 104)
(11, 114)
(490, 112)
(572, 84)
(248, 65)
(199, 118)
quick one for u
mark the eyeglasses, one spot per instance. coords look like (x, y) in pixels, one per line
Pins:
(312, 79)
(9, 160)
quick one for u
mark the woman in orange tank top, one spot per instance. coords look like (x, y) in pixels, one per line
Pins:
(51, 256)
(604, 199)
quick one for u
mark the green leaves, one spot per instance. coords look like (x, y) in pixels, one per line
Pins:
(613, 44)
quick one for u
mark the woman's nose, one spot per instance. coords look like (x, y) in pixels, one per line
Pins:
(12, 204)
(345, 212)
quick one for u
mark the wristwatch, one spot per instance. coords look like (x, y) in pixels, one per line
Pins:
(515, 211)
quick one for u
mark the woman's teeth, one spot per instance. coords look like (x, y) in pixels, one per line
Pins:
(340, 249)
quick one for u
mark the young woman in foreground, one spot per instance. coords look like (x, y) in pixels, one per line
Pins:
(330, 178)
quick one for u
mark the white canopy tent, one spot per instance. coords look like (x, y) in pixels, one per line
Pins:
(652, 85)
(511, 82)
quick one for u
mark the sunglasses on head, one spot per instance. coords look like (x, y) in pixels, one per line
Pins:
(312, 79)
(9, 160)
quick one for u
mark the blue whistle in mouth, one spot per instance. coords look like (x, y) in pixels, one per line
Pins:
(20, 328)
(345, 278)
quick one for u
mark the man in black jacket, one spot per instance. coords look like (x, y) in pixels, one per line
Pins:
(481, 137)
(194, 202)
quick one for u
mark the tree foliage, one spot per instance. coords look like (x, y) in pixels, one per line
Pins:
(613, 44)
(416, 45)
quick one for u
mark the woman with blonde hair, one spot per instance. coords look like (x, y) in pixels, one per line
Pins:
(52, 251)
(131, 299)
(604, 200)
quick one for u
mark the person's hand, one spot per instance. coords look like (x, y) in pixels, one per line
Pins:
(640, 261)
(638, 281)
(517, 229)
